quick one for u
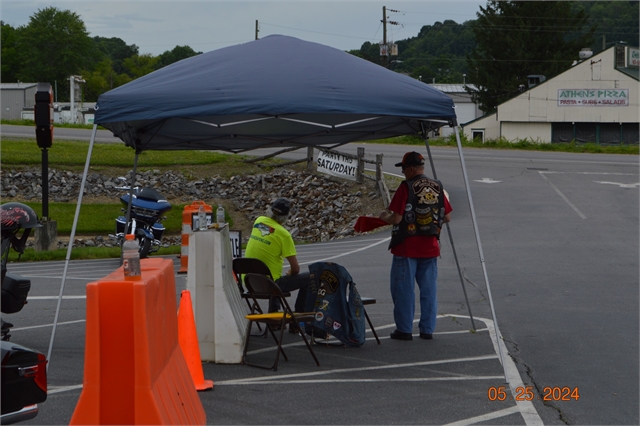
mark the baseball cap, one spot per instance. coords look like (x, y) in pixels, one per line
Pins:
(411, 159)
(281, 206)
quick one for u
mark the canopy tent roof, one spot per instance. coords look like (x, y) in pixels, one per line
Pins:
(277, 91)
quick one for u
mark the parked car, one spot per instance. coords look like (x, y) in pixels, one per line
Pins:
(24, 382)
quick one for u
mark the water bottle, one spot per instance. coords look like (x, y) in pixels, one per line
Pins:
(202, 218)
(131, 259)
(301, 326)
(220, 215)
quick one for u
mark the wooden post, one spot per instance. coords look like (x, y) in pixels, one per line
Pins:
(360, 170)
(309, 158)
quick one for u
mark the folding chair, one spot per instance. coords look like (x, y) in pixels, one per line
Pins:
(369, 301)
(249, 265)
(262, 287)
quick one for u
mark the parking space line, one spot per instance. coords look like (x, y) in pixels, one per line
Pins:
(485, 417)
(563, 196)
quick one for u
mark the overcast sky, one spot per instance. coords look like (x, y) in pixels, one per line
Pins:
(157, 26)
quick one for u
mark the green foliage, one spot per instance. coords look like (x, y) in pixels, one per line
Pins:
(9, 54)
(54, 45)
(178, 53)
(516, 39)
(66, 153)
(92, 217)
(30, 255)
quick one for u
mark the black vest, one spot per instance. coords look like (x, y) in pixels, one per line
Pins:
(423, 212)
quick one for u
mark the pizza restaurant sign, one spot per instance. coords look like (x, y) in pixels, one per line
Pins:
(593, 97)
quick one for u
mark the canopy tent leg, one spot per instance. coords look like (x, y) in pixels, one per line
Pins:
(480, 252)
(453, 247)
(71, 238)
(131, 185)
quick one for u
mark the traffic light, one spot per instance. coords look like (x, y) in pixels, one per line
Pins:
(43, 112)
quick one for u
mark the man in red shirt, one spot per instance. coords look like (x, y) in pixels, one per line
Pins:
(417, 212)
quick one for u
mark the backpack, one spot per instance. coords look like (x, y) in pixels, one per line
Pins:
(336, 314)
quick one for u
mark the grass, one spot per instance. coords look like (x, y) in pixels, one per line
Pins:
(523, 144)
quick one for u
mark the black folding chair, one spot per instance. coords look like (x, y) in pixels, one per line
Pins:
(262, 287)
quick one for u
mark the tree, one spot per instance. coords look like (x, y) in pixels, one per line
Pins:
(116, 50)
(516, 39)
(178, 53)
(9, 54)
(139, 65)
(102, 79)
(52, 47)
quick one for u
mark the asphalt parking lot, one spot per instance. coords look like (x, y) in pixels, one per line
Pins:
(560, 240)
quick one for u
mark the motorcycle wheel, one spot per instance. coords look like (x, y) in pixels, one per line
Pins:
(145, 247)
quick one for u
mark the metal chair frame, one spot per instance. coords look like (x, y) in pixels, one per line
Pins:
(263, 287)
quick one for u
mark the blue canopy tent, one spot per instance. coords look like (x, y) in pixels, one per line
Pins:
(275, 92)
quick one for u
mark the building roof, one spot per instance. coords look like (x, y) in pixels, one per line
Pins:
(19, 85)
(452, 88)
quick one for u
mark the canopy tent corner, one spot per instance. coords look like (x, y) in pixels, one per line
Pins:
(278, 91)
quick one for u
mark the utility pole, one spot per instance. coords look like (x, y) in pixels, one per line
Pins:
(385, 49)
(385, 57)
(257, 30)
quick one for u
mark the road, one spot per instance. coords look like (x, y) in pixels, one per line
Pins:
(560, 236)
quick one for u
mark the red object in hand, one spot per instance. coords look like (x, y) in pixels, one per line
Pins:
(368, 223)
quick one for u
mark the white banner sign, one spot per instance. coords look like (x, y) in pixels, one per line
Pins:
(334, 164)
(593, 97)
(633, 57)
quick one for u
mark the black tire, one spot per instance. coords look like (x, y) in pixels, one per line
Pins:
(144, 246)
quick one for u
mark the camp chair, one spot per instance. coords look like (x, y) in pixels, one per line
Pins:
(262, 287)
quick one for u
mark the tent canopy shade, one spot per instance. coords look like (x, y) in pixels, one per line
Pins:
(277, 91)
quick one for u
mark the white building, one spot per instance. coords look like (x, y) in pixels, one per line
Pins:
(14, 97)
(597, 100)
(466, 109)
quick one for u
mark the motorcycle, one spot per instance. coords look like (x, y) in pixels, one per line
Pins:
(147, 209)
(15, 217)
(24, 374)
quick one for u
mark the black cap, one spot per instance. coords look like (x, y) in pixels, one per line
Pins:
(411, 159)
(281, 206)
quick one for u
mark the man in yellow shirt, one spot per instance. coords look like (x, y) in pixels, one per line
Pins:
(272, 243)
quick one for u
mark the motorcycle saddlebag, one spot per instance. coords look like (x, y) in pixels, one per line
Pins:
(14, 293)
(24, 377)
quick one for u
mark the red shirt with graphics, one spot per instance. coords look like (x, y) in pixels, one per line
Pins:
(417, 246)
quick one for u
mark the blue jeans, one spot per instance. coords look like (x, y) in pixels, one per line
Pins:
(405, 271)
(289, 283)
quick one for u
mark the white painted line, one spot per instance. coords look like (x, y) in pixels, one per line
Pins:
(526, 408)
(485, 417)
(256, 380)
(563, 196)
(54, 297)
(48, 325)
(621, 185)
(59, 389)
(274, 380)
(349, 252)
(488, 180)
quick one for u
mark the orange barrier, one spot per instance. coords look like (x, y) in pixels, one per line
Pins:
(188, 339)
(187, 220)
(134, 369)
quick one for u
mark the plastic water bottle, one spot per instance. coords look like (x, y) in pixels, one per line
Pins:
(131, 259)
(301, 327)
(202, 219)
(220, 215)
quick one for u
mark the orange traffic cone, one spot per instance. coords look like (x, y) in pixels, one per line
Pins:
(188, 340)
